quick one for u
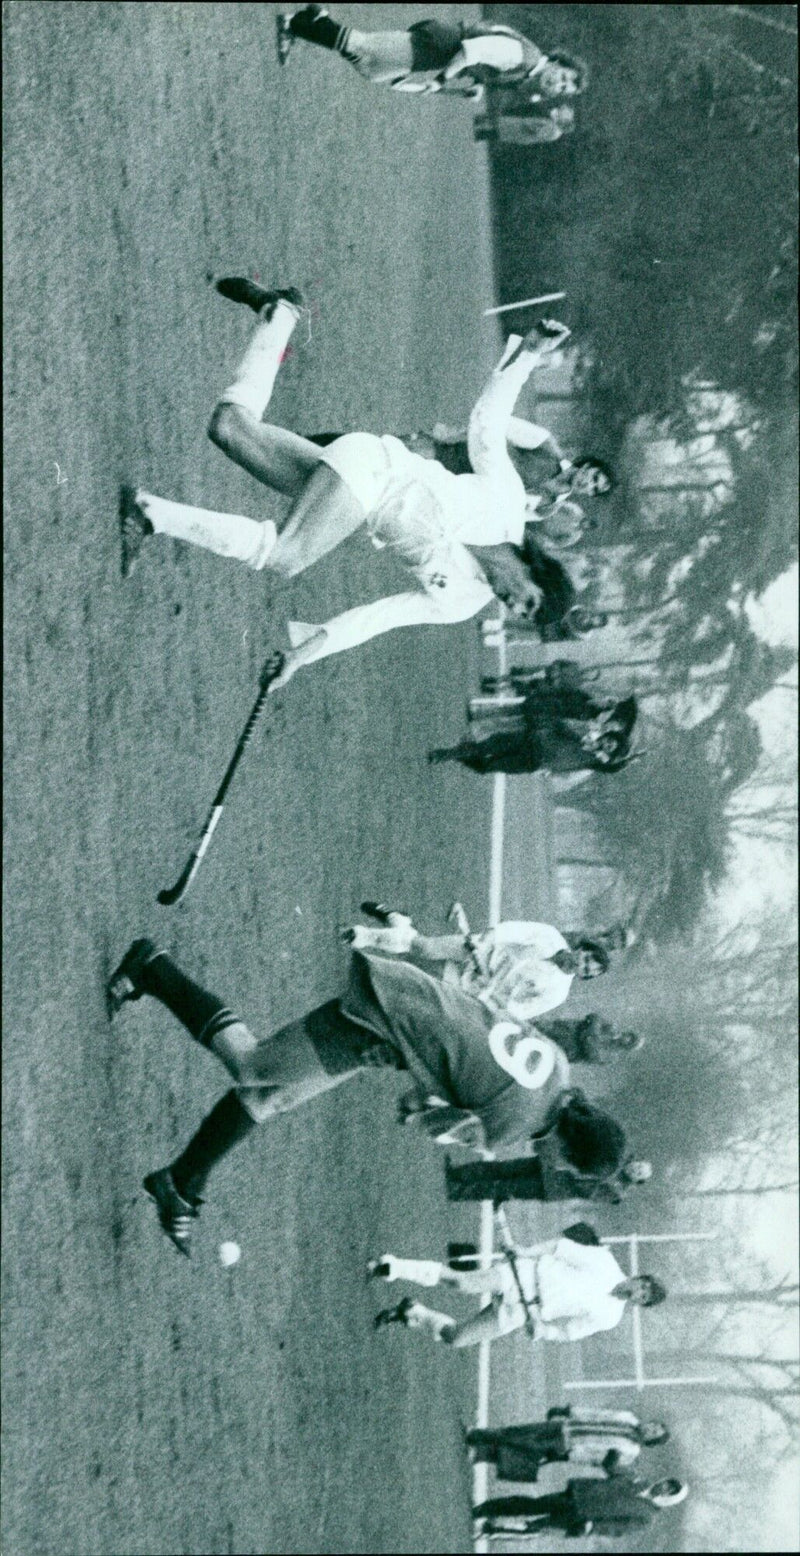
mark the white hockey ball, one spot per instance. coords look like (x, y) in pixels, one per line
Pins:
(229, 1254)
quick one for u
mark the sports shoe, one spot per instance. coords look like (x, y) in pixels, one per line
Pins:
(123, 985)
(134, 528)
(240, 289)
(382, 914)
(174, 1213)
(394, 1315)
(379, 1269)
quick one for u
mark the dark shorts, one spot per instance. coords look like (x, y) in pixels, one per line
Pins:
(454, 457)
(342, 1045)
(433, 44)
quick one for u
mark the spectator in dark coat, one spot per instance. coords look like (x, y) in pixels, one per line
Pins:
(582, 1155)
(615, 1506)
(611, 1440)
(565, 731)
(589, 1039)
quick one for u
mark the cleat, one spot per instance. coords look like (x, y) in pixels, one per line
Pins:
(380, 912)
(347, 934)
(174, 1213)
(134, 528)
(284, 37)
(379, 1269)
(123, 985)
(393, 1315)
(240, 289)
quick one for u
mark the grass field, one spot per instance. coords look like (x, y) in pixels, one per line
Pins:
(152, 1406)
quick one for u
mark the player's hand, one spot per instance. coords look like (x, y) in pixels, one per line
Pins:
(546, 336)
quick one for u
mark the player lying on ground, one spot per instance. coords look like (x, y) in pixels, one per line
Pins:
(519, 968)
(434, 56)
(462, 538)
(571, 1289)
(617, 1506)
(477, 1081)
(611, 1440)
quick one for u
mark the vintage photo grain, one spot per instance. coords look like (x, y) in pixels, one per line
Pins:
(400, 916)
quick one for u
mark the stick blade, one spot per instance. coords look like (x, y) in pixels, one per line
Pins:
(173, 894)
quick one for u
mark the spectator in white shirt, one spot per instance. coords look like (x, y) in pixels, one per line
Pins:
(462, 538)
(571, 1288)
(436, 56)
(520, 968)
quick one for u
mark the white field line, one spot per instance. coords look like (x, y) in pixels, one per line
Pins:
(480, 1473)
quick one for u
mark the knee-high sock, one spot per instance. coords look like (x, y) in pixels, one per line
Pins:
(221, 1129)
(322, 30)
(228, 534)
(253, 385)
(423, 1272)
(202, 1013)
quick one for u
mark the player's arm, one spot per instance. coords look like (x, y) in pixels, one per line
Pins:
(487, 433)
(524, 434)
(578, 1327)
(448, 1125)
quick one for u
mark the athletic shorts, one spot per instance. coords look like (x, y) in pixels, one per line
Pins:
(363, 462)
(433, 44)
(343, 1045)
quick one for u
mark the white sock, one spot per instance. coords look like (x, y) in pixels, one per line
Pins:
(426, 1318)
(423, 1272)
(252, 388)
(229, 534)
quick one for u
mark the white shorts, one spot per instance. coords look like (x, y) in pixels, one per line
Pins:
(365, 464)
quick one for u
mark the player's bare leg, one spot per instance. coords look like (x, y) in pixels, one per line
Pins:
(324, 514)
(270, 1077)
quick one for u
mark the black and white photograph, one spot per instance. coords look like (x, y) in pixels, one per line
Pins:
(400, 916)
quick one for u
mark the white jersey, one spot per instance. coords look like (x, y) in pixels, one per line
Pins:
(520, 977)
(429, 518)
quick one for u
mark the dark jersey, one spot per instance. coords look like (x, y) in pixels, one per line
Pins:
(443, 1037)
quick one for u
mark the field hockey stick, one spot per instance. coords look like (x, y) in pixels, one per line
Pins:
(170, 895)
(510, 1253)
(459, 918)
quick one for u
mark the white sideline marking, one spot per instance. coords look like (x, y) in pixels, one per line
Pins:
(480, 1472)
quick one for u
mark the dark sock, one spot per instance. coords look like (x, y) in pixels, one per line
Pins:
(221, 1129)
(202, 1014)
(317, 29)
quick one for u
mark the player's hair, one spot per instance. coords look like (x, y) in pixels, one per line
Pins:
(571, 62)
(656, 1293)
(591, 461)
(558, 591)
(596, 949)
(592, 1141)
